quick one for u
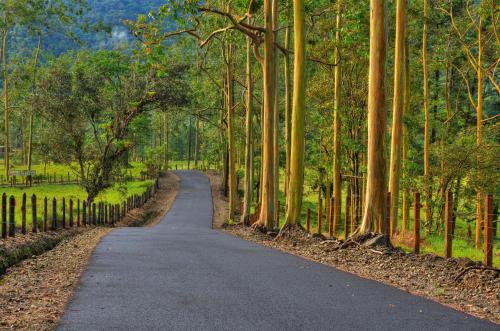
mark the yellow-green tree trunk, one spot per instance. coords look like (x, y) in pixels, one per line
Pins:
(397, 114)
(375, 196)
(247, 199)
(427, 121)
(337, 180)
(230, 135)
(296, 182)
(267, 211)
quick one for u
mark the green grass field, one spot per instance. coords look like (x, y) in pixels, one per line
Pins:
(116, 194)
(52, 169)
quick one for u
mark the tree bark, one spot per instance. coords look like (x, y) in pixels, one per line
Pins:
(247, 199)
(406, 193)
(276, 118)
(32, 112)
(5, 77)
(165, 140)
(296, 182)
(189, 144)
(267, 211)
(230, 134)
(337, 183)
(197, 141)
(427, 184)
(375, 197)
(397, 114)
(288, 102)
(479, 124)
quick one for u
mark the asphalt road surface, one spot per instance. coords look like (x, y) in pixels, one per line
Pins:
(182, 275)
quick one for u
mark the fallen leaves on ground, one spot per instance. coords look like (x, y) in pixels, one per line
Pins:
(33, 294)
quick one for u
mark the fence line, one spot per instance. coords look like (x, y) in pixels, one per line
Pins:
(488, 225)
(14, 181)
(100, 214)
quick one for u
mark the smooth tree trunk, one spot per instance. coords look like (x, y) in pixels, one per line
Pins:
(397, 114)
(5, 77)
(247, 199)
(32, 112)
(479, 127)
(406, 140)
(165, 140)
(288, 102)
(197, 141)
(375, 196)
(276, 118)
(230, 135)
(296, 182)
(189, 144)
(337, 180)
(427, 120)
(267, 211)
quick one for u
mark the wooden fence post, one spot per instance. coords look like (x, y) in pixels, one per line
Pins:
(89, 214)
(386, 229)
(54, 214)
(33, 214)
(70, 213)
(320, 215)
(488, 230)
(106, 219)
(84, 213)
(4, 215)
(330, 216)
(278, 214)
(23, 214)
(99, 213)
(416, 222)
(347, 223)
(12, 221)
(78, 213)
(64, 213)
(308, 220)
(448, 243)
(45, 214)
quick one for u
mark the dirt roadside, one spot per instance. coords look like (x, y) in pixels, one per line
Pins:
(34, 292)
(220, 202)
(476, 292)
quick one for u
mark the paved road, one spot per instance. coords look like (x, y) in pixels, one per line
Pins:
(182, 275)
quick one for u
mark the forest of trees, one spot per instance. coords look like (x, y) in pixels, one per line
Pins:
(309, 85)
(351, 99)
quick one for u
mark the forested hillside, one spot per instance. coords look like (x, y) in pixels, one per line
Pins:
(100, 26)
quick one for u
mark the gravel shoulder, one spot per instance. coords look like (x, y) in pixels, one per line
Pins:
(220, 202)
(34, 292)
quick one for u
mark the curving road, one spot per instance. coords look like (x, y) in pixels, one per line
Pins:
(182, 275)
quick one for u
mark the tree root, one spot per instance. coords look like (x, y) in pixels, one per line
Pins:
(288, 231)
(258, 227)
(356, 239)
(475, 267)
